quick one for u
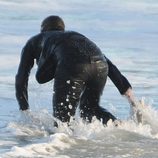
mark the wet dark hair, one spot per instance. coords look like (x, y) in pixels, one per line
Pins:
(51, 23)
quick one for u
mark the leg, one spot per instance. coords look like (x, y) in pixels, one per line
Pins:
(89, 103)
(66, 98)
(89, 107)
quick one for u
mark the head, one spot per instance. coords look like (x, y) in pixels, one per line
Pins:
(52, 23)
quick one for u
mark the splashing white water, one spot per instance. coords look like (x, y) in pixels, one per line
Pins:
(54, 142)
(146, 116)
(42, 122)
(49, 148)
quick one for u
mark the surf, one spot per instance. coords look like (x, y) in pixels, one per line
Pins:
(47, 140)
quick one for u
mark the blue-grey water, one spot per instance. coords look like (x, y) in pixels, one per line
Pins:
(127, 33)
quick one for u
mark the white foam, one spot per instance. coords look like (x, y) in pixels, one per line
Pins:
(41, 124)
(51, 147)
(33, 124)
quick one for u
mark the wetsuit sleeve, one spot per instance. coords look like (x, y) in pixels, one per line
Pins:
(21, 80)
(117, 78)
(46, 66)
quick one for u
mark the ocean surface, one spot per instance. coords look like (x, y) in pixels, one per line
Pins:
(127, 33)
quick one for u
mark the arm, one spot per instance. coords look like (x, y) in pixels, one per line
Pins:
(45, 71)
(117, 78)
(125, 89)
(21, 80)
(46, 65)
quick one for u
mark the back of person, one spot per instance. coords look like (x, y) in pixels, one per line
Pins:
(69, 47)
(64, 53)
(78, 47)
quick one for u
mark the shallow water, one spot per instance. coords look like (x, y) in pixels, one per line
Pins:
(126, 32)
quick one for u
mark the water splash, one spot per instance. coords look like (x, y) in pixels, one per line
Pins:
(55, 142)
(42, 123)
(146, 116)
(45, 149)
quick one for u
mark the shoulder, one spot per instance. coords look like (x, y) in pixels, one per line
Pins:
(32, 42)
(73, 33)
(34, 39)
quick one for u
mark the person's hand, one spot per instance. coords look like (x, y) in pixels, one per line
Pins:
(117, 123)
(43, 121)
(135, 106)
(29, 117)
(130, 96)
(25, 114)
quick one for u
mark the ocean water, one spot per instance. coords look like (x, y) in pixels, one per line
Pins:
(127, 33)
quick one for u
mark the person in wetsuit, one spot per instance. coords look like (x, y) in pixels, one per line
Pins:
(78, 67)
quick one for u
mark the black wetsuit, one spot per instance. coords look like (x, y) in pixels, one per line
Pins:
(79, 70)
